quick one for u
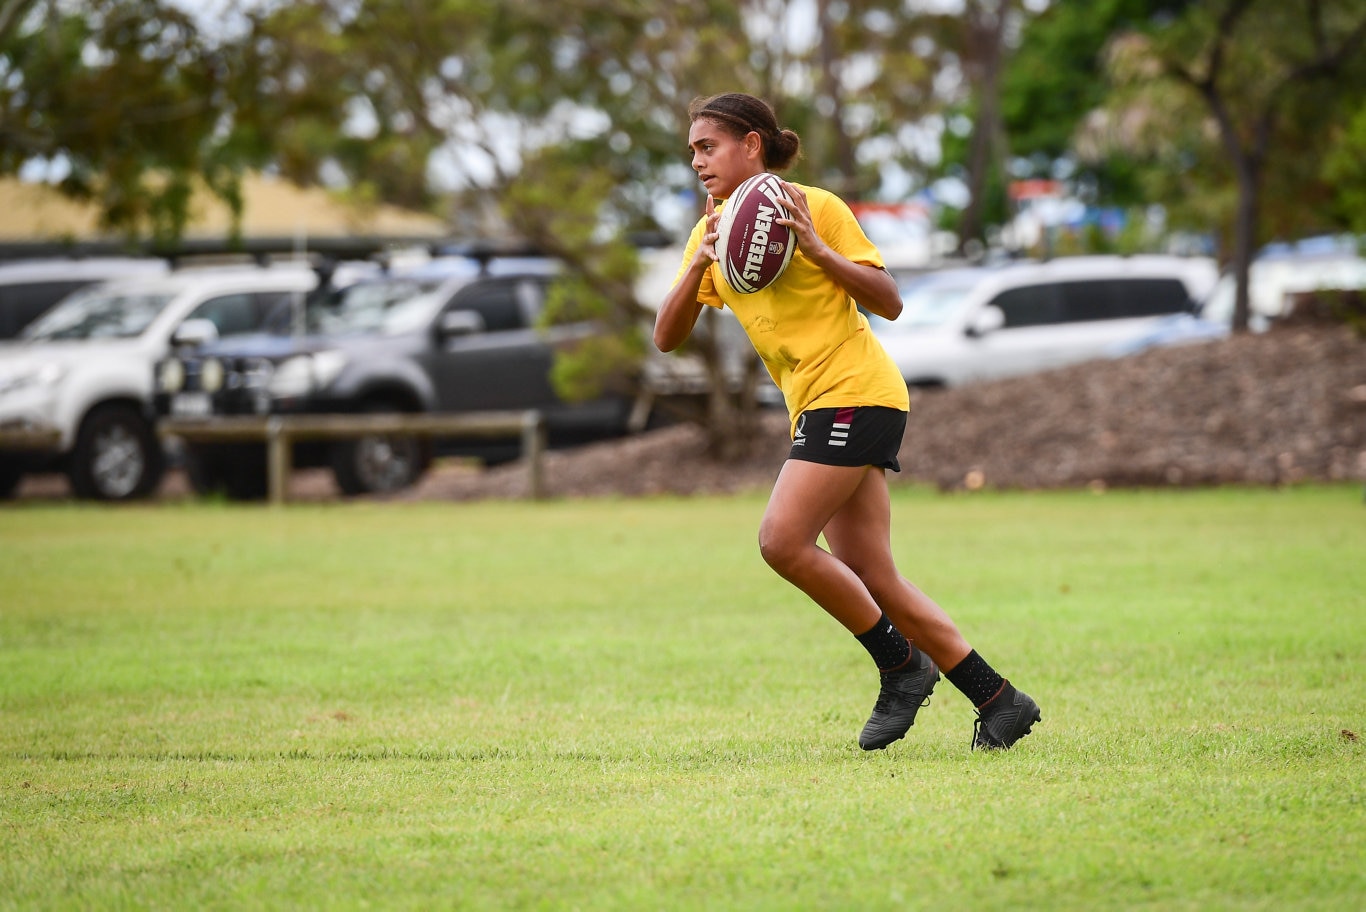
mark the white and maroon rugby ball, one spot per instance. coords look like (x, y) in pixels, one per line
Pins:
(752, 248)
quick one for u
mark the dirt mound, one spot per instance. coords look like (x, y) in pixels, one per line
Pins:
(1281, 407)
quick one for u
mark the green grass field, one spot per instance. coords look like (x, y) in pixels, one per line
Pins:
(616, 705)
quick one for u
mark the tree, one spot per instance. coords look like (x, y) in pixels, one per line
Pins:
(1271, 77)
(125, 96)
(568, 121)
(983, 29)
(1345, 169)
(1056, 78)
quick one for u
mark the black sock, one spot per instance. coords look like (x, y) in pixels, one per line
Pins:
(886, 645)
(978, 681)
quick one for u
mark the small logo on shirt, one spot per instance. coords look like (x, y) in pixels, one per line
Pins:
(763, 325)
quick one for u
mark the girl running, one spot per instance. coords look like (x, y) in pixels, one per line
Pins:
(848, 405)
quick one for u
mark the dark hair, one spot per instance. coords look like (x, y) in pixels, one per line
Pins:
(740, 114)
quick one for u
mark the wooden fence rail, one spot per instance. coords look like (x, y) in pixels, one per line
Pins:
(30, 439)
(279, 432)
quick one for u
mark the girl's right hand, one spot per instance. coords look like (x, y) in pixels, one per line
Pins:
(708, 246)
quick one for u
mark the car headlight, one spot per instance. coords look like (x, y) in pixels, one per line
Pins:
(304, 374)
(211, 374)
(38, 375)
(171, 376)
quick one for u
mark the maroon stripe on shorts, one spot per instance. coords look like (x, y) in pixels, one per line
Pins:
(844, 415)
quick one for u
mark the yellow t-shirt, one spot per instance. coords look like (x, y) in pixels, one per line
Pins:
(816, 345)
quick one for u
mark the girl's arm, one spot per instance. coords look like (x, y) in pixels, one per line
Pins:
(871, 286)
(680, 310)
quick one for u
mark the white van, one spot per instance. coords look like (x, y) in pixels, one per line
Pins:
(964, 325)
(76, 387)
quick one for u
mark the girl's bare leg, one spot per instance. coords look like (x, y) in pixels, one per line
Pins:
(805, 497)
(860, 537)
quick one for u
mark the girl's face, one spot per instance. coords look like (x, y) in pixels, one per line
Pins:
(721, 161)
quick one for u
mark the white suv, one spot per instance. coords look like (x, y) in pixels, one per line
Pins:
(76, 388)
(963, 325)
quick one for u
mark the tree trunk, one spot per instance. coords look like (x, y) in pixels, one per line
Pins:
(845, 162)
(1245, 239)
(986, 33)
(732, 418)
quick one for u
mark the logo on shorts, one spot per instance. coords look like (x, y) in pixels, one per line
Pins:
(799, 438)
(839, 429)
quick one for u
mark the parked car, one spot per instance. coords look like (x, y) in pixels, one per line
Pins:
(76, 388)
(472, 343)
(30, 287)
(1274, 280)
(1278, 277)
(969, 324)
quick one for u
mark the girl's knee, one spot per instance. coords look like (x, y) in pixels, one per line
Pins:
(781, 551)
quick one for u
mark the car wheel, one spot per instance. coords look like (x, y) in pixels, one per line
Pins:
(117, 456)
(10, 476)
(235, 471)
(379, 463)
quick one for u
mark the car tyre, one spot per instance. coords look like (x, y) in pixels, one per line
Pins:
(380, 463)
(117, 456)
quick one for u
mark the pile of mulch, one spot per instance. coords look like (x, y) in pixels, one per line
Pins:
(1282, 407)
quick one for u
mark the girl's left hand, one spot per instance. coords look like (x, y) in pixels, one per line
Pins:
(799, 219)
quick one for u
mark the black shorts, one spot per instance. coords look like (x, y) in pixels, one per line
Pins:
(850, 436)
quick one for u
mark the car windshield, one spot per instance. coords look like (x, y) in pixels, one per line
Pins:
(925, 303)
(368, 307)
(413, 313)
(97, 314)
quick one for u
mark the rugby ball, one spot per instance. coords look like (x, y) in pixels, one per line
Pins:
(752, 249)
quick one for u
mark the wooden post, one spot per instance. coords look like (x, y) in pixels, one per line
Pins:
(278, 458)
(533, 445)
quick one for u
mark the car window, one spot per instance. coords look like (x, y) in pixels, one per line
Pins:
(531, 299)
(277, 311)
(1030, 305)
(382, 305)
(502, 303)
(412, 313)
(95, 314)
(928, 304)
(21, 303)
(1117, 299)
(1083, 302)
(234, 314)
(1151, 297)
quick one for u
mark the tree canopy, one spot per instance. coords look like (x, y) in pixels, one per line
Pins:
(1241, 117)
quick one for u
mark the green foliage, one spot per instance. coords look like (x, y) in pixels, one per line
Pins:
(1057, 78)
(1344, 168)
(559, 205)
(549, 706)
(1200, 98)
(597, 365)
(128, 96)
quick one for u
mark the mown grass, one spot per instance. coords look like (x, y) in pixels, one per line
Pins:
(607, 704)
